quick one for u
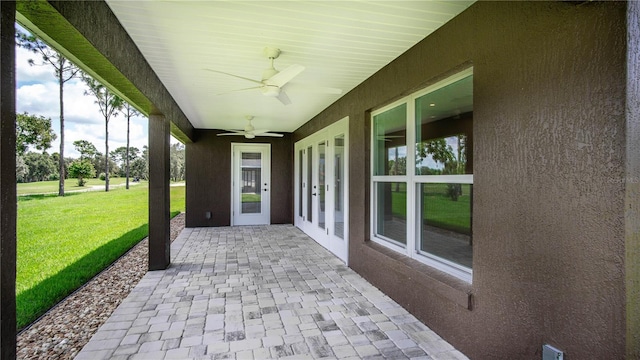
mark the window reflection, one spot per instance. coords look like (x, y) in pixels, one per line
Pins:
(442, 156)
(446, 221)
(390, 141)
(444, 130)
(391, 209)
(444, 146)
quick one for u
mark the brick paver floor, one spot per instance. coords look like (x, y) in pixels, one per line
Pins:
(260, 292)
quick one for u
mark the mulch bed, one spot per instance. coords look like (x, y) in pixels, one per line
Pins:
(67, 327)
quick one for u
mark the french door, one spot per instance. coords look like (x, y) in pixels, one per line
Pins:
(321, 200)
(251, 179)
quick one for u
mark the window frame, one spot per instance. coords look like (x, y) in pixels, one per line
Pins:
(413, 181)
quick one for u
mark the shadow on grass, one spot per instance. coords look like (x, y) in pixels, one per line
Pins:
(45, 196)
(34, 302)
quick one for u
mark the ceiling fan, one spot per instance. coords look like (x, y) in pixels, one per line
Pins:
(273, 81)
(389, 137)
(250, 132)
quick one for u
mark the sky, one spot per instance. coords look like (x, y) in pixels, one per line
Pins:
(37, 94)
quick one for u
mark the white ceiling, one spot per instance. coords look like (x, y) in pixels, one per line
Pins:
(340, 43)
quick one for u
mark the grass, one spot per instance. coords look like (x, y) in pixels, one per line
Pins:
(65, 241)
(43, 187)
(441, 211)
(250, 197)
(438, 208)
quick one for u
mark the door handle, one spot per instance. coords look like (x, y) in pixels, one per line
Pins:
(314, 194)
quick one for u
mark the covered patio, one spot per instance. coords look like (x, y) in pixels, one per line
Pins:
(260, 292)
(551, 150)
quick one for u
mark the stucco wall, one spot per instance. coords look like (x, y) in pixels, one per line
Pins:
(632, 204)
(549, 194)
(208, 168)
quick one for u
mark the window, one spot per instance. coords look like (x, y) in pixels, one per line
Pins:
(422, 175)
(390, 170)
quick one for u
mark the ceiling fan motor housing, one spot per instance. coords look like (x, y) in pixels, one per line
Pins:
(271, 52)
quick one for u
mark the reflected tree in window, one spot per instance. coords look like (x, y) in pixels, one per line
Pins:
(444, 159)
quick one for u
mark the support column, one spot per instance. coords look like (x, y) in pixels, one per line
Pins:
(159, 214)
(8, 208)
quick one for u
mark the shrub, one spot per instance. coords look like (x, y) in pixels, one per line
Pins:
(102, 176)
(82, 169)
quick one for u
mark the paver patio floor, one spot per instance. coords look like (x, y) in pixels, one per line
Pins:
(260, 292)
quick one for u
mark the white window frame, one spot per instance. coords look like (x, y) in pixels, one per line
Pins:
(413, 181)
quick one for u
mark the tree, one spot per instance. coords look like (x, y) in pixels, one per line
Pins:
(41, 166)
(109, 104)
(176, 159)
(140, 165)
(22, 170)
(86, 149)
(64, 71)
(437, 149)
(120, 156)
(82, 169)
(128, 111)
(441, 152)
(33, 130)
(99, 164)
(139, 169)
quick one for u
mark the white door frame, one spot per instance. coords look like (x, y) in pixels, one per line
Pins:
(328, 236)
(263, 217)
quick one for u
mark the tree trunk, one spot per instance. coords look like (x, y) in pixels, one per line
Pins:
(61, 160)
(127, 159)
(106, 154)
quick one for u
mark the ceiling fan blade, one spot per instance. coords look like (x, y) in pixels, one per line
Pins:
(260, 131)
(270, 134)
(284, 99)
(235, 76)
(284, 76)
(313, 88)
(244, 89)
(233, 133)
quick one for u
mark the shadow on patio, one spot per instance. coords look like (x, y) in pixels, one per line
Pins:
(259, 292)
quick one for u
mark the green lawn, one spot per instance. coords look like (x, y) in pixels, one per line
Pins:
(43, 187)
(250, 197)
(64, 241)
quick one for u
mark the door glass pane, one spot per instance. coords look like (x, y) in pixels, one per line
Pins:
(309, 183)
(321, 185)
(338, 163)
(391, 211)
(250, 170)
(301, 182)
(390, 142)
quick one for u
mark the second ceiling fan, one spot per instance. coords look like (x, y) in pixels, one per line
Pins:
(249, 131)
